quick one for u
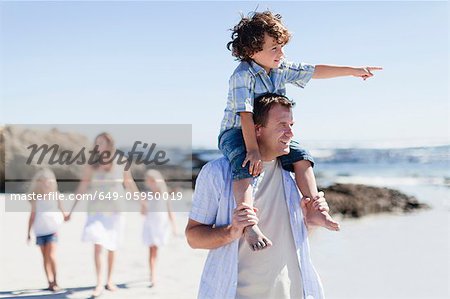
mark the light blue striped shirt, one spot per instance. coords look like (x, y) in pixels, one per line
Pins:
(213, 204)
(249, 81)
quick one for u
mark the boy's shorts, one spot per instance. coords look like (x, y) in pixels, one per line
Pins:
(43, 240)
(231, 143)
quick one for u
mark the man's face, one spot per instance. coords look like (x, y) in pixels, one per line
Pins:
(271, 55)
(275, 136)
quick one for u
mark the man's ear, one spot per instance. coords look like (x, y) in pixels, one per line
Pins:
(258, 130)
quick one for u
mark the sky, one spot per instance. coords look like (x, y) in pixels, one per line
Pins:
(140, 62)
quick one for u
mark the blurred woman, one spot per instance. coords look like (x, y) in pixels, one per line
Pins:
(104, 224)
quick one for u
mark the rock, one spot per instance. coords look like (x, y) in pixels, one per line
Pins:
(352, 200)
(14, 154)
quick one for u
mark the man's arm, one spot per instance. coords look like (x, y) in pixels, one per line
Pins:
(333, 71)
(203, 236)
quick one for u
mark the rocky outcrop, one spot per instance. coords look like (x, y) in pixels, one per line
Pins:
(14, 154)
(351, 200)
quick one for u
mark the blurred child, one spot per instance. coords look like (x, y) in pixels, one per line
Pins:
(157, 216)
(45, 218)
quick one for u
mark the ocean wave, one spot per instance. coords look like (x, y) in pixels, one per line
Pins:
(419, 155)
(391, 181)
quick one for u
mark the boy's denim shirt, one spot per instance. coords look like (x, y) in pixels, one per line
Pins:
(250, 80)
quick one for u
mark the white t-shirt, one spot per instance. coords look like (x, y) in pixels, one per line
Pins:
(272, 272)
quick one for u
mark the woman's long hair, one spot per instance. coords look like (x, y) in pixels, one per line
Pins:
(111, 149)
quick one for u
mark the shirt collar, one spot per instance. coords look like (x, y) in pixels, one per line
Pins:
(256, 68)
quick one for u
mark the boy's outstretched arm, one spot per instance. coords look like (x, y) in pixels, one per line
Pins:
(333, 71)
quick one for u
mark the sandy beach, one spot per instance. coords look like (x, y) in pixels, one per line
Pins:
(383, 256)
(22, 274)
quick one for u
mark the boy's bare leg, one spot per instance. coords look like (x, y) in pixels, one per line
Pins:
(243, 192)
(306, 182)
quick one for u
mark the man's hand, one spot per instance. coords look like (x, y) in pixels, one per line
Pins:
(316, 211)
(319, 202)
(365, 72)
(203, 236)
(254, 158)
(243, 216)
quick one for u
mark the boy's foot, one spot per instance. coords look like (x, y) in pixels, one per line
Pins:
(315, 217)
(255, 238)
(323, 219)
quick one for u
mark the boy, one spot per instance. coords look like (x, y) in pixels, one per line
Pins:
(258, 43)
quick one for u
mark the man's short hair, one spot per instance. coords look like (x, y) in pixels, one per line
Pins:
(265, 102)
(247, 37)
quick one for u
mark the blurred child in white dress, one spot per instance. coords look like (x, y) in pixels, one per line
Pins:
(158, 217)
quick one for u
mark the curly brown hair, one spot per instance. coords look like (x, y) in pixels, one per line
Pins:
(247, 37)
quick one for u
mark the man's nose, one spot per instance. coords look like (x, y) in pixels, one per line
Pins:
(281, 52)
(289, 132)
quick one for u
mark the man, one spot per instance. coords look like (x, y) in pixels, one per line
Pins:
(283, 270)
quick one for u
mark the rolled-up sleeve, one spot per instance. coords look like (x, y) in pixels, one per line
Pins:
(205, 200)
(297, 74)
(242, 91)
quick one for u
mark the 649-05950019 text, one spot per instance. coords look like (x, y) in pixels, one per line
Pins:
(101, 195)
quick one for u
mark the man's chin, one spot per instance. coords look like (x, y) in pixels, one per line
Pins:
(285, 151)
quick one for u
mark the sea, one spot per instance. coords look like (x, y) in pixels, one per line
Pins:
(376, 166)
(387, 255)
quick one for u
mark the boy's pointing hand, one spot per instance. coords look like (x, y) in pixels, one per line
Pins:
(366, 72)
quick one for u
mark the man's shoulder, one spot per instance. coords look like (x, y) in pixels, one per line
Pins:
(215, 173)
(220, 164)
